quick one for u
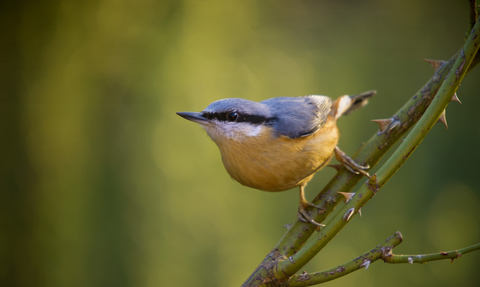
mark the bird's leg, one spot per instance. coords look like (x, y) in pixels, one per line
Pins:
(302, 212)
(349, 164)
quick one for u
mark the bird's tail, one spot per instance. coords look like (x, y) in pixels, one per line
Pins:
(347, 104)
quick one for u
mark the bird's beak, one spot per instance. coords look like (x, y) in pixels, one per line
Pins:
(193, 116)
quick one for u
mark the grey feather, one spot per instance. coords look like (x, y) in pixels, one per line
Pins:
(240, 105)
(299, 116)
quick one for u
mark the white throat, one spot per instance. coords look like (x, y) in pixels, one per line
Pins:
(232, 130)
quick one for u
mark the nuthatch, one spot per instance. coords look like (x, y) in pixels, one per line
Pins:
(279, 143)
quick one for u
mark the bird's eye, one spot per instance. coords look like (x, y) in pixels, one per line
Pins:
(231, 117)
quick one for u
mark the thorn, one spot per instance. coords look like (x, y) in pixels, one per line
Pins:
(386, 125)
(348, 195)
(335, 166)
(360, 212)
(443, 252)
(287, 226)
(436, 64)
(291, 259)
(452, 260)
(443, 119)
(365, 264)
(455, 98)
(348, 214)
(410, 259)
(383, 123)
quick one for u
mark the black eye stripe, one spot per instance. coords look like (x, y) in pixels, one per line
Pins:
(206, 115)
(252, 119)
(223, 116)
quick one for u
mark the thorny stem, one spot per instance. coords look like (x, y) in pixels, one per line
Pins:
(286, 268)
(370, 153)
(382, 251)
(438, 105)
(361, 261)
(424, 258)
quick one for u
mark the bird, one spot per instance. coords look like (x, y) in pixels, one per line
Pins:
(279, 143)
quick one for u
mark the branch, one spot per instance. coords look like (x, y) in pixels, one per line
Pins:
(424, 258)
(361, 261)
(291, 246)
(382, 251)
(286, 268)
(433, 113)
(344, 181)
(371, 152)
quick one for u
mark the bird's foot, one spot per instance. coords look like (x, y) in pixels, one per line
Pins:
(350, 164)
(303, 215)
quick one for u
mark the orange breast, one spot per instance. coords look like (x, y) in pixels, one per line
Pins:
(276, 164)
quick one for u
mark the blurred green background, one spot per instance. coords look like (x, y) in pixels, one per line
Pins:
(102, 184)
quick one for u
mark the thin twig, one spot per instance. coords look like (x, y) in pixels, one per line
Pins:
(424, 258)
(362, 261)
(382, 251)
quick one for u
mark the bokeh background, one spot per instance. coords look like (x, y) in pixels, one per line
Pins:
(102, 184)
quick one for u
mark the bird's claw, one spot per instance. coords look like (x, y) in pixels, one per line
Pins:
(303, 215)
(350, 164)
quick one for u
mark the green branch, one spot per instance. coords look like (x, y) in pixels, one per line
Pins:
(286, 268)
(424, 258)
(361, 261)
(382, 251)
(291, 246)
(370, 153)
(433, 113)
(344, 181)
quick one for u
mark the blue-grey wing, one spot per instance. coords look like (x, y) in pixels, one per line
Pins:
(299, 116)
